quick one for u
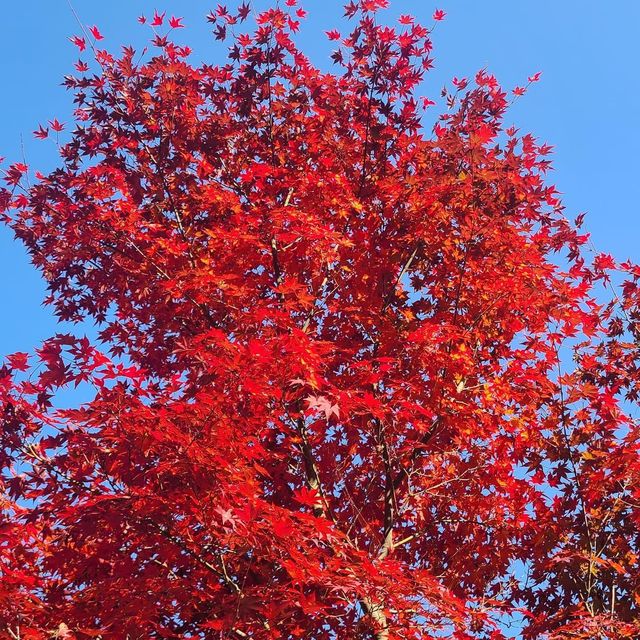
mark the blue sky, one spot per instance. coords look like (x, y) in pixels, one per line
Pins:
(587, 104)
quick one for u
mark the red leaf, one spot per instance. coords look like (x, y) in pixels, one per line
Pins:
(307, 497)
(19, 361)
(460, 83)
(79, 42)
(56, 125)
(14, 173)
(604, 262)
(484, 133)
(96, 33)
(323, 405)
(243, 11)
(158, 19)
(41, 133)
(282, 528)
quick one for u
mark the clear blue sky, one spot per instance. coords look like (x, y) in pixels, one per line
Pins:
(587, 104)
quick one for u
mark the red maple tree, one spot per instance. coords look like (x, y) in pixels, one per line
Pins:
(354, 378)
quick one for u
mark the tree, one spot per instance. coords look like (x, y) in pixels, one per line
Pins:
(354, 378)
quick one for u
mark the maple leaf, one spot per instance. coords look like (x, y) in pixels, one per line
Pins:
(79, 42)
(535, 77)
(604, 262)
(14, 173)
(333, 35)
(95, 32)
(307, 497)
(220, 32)
(227, 516)
(439, 130)
(243, 11)
(41, 133)
(460, 83)
(484, 133)
(373, 5)
(439, 14)
(19, 361)
(282, 528)
(484, 79)
(176, 23)
(56, 125)
(324, 405)
(350, 9)
(158, 19)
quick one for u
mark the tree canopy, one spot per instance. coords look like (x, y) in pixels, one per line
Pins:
(355, 377)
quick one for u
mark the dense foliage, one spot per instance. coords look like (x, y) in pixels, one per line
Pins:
(356, 378)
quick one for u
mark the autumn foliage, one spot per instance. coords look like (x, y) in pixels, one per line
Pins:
(356, 377)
